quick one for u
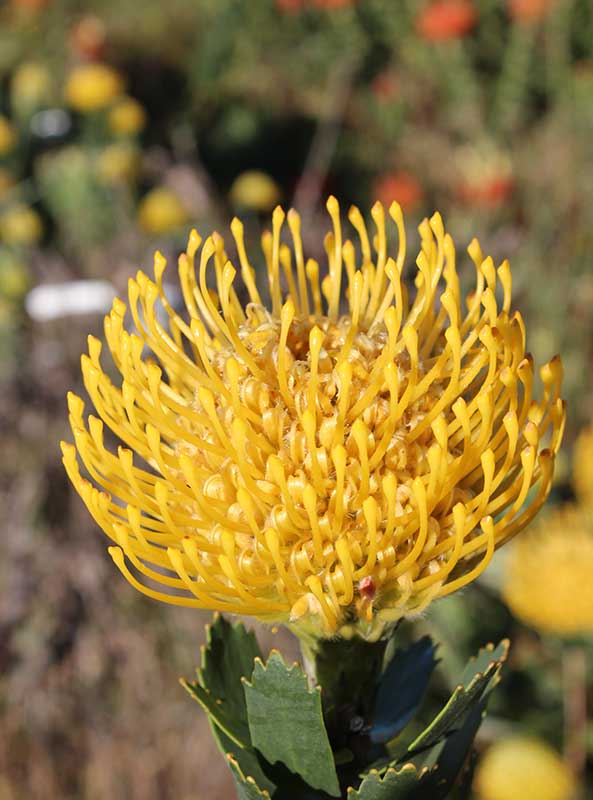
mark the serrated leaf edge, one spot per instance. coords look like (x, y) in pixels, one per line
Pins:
(246, 778)
(382, 776)
(190, 688)
(492, 667)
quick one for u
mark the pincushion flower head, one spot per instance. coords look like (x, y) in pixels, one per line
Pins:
(544, 568)
(583, 468)
(334, 462)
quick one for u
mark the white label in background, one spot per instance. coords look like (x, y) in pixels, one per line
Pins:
(58, 300)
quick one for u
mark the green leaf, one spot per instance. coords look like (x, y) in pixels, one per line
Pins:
(233, 727)
(447, 758)
(480, 675)
(400, 784)
(286, 722)
(227, 656)
(247, 788)
(401, 689)
(486, 658)
(246, 759)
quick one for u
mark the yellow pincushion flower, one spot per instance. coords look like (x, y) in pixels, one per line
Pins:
(255, 191)
(548, 581)
(30, 86)
(93, 87)
(583, 467)
(161, 211)
(127, 117)
(20, 225)
(314, 461)
(119, 163)
(7, 136)
(522, 767)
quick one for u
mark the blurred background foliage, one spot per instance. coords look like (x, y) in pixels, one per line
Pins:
(120, 127)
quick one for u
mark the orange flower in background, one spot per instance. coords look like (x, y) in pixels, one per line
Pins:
(443, 20)
(88, 38)
(336, 462)
(487, 194)
(529, 10)
(332, 4)
(399, 186)
(290, 6)
(486, 175)
(30, 5)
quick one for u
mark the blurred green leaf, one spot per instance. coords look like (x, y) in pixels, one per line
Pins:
(401, 689)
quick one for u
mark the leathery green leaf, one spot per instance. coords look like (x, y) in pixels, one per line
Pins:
(286, 722)
(480, 675)
(395, 784)
(247, 788)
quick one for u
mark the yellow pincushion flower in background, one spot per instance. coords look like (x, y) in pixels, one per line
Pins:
(582, 473)
(119, 163)
(30, 86)
(521, 767)
(254, 191)
(309, 461)
(93, 87)
(548, 580)
(20, 225)
(161, 211)
(127, 117)
(7, 136)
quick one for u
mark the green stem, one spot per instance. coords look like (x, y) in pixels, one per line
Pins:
(348, 672)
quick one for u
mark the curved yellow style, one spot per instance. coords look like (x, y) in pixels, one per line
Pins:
(314, 459)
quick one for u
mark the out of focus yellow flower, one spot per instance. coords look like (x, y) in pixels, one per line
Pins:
(93, 87)
(30, 86)
(20, 225)
(161, 211)
(7, 136)
(548, 581)
(14, 278)
(127, 117)
(7, 182)
(521, 767)
(118, 163)
(255, 191)
(583, 467)
(337, 465)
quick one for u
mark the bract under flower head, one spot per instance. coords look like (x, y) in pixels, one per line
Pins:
(544, 568)
(332, 463)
